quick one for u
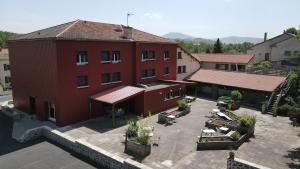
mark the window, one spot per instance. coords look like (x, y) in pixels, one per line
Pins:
(167, 96)
(105, 78)
(82, 81)
(172, 95)
(148, 73)
(296, 53)
(166, 71)
(222, 66)
(51, 112)
(6, 67)
(116, 77)
(148, 55)
(105, 57)
(287, 53)
(179, 55)
(181, 69)
(81, 58)
(116, 57)
(267, 56)
(166, 55)
(7, 79)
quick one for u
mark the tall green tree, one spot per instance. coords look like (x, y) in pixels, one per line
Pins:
(218, 47)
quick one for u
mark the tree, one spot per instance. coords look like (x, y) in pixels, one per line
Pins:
(4, 36)
(291, 30)
(207, 50)
(218, 48)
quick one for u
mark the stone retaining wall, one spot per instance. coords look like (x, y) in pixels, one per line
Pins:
(97, 154)
(236, 163)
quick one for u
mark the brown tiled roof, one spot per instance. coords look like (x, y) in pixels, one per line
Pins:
(117, 94)
(238, 80)
(223, 58)
(3, 53)
(87, 30)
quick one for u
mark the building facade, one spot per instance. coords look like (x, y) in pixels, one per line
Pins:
(186, 64)
(279, 49)
(55, 71)
(5, 79)
(228, 62)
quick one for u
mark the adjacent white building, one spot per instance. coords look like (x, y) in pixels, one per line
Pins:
(4, 70)
(186, 64)
(279, 49)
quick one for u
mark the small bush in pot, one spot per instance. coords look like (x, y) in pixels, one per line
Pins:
(247, 121)
(236, 95)
(182, 105)
(132, 130)
(236, 136)
(143, 139)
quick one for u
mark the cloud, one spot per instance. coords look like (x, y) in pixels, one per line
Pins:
(153, 15)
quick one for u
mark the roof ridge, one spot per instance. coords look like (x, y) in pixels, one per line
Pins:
(67, 28)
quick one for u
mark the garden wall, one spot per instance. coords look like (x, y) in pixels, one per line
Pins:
(138, 149)
(94, 153)
(236, 163)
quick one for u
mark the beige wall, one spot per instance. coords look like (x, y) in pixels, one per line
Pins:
(4, 73)
(190, 62)
(283, 42)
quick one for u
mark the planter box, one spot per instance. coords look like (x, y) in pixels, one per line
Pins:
(137, 148)
(225, 145)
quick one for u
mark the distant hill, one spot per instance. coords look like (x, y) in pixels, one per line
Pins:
(177, 35)
(229, 39)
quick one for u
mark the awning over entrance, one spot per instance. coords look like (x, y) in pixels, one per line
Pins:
(117, 94)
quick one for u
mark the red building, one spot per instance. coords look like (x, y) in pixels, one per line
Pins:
(79, 70)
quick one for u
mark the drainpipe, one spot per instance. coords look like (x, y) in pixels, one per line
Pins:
(236, 67)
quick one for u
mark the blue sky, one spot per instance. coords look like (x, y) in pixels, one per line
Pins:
(208, 19)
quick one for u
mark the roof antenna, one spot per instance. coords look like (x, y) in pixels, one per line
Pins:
(128, 14)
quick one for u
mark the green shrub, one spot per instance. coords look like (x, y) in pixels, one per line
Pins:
(225, 99)
(132, 130)
(182, 105)
(236, 95)
(143, 139)
(236, 136)
(283, 110)
(295, 113)
(265, 65)
(247, 121)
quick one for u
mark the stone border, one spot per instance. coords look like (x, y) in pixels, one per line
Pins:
(137, 148)
(236, 163)
(94, 153)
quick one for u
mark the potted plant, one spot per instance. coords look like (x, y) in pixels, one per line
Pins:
(236, 97)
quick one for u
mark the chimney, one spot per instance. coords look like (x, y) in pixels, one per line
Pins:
(127, 32)
(265, 37)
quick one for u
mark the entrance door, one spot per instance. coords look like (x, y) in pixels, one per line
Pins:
(51, 112)
(32, 106)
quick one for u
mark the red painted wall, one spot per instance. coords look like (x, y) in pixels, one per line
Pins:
(48, 71)
(154, 100)
(34, 73)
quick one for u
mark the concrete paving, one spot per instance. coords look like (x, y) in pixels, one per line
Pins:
(37, 154)
(276, 143)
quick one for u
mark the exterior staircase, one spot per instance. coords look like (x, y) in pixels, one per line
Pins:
(276, 96)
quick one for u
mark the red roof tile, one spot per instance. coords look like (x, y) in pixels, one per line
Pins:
(87, 30)
(223, 58)
(238, 80)
(117, 94)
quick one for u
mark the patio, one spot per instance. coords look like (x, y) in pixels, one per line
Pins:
(276, 142)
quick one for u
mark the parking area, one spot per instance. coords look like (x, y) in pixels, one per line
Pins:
(35, 154)
(276, 143)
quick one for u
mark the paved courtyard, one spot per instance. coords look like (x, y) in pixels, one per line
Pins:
(276, 143)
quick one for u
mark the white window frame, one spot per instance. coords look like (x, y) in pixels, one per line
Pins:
(167, 58)
(114, 57)
(51, 105)
(81, 62)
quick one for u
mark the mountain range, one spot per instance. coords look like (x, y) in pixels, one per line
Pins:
(227, 40)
